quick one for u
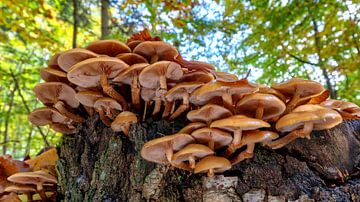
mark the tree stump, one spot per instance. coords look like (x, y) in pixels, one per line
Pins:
(97, 164)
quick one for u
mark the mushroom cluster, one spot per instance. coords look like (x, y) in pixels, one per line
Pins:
(127, 82)
(33, 178)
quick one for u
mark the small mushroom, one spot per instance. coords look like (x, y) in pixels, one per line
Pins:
(131, 58)
(69, 58)
(88, 98)
(266, 90)
(212, 165)
(53, 63)
(96, 71)
(123, 121)
(51, 74)
(191, 127)
(155, 51)
(213, 137)
(227, 77)
(200, 76)
(348, 110)
(181, 92)
(190, 153)
(208, 113)
(302, 121)
(28, 190)
(265, 106)
(194, 65)
(38, 178)
(108, 47)
(108, 109)
(250, 138)
(148, 95)
(48, 158)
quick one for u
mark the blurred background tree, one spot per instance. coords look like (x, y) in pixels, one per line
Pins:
(277, 40)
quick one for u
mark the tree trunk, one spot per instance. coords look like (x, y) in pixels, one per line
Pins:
(76, 22)
(104, 18)
(97, 164)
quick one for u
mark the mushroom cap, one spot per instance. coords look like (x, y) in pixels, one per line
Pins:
(191, 127)
(204, 135)
(237, 122)
(321, 117)
(217, 88)
(9, 166)
(256, 136)
(150, 75)
(51, 92)
(340, 105)
(53, 63)
(88, 98)
(147, 94)
(200, 76)
(20, 188)
(264, 89)
(208, 113)
(47, 158)
(63, 128)
(227, 77)
(108, 47)
(133, 44)
(124, 118)
(51, 74)
(305, 87)
(176, 92)
(127, 76)
(11, 197)
(87, 73)
(272, 105)
(196, 150)
(69, 58)
(154, 150)
(46, 115)
(163, 50)
(107, 103)
(131, 58)
(218, 164)
(36, 177)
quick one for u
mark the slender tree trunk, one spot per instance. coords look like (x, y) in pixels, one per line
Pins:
(28, 142)
(76, 22)
(104, 18)
(8, 118)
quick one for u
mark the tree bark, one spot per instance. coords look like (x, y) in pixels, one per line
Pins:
(104, 18)
(97, 164)
(76, 22)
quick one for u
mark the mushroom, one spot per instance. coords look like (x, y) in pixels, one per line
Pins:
(108, 109)
(51, 74)
(212, 164)
(208, 113)
(296, 89)
(48, 158)
(108, 47)
(38, 178)
(181, 92)
(190, 153)
(266, 90)
(226, 77)
(132, 58)
(200, 76)
(155, 51)
(123, 121)
(191, 127)
(148, 95)
(28, 190)
(225, 90)
(348, 110)
(302, 121)
(53, 63)
(59, 96)
(88, 98)
(69, 58)
(155, 75)
(194, 65)
(131, 77)
(213, 137)
(250, 138)
(237, 124)
(161, 150)
(96, 71)
(133, 44)
(265, 106)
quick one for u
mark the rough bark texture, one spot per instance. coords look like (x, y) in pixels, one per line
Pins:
(97, 164)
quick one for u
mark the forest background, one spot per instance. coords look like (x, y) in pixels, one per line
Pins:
(277, 40)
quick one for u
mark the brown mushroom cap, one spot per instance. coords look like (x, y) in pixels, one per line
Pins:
(133, 44)
(20, 188)
(267, 90)
(87, 73)
(46, 115)
(205, 135)
(108, 47)
(107, 104)
(256, 136)
(88, 98)
(159, 49)
(191, 127)
(48, 158)
(304, 87)
(125, 118)
(237, 122)
(69, 58)
(200, 76)
(271, 105)
(63, 128)
(155, 150)
(35, 178)
(51, 74)
(208, 113)
(11, 197)
(195, 150)
(176, 92)
(340, 105)
(52, 92)
(131, 58)
(128, 75)
(53, 63)
(218, 164)
(227, 77)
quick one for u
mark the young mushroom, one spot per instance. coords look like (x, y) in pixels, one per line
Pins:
(123, 121)
(51, 74)
(155, 51)
(190, 153)
(131, 58)
(226, 77)
(148, 95)
(208, 113)
(212, 165)
(108, 109)
(200, 76)
(48, 158)
(191, 127)
(302, 121)
(213, 137)
(96, 71)
(348, 110)
(88, 98)
(108, 47)
(69, 58)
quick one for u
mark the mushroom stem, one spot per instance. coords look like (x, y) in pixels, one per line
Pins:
(135, 93)
(167, 110)
(145, 110)
(109, 90)
(292, 103)
(157, 106)
(89, 110)
(248, 153)
(237, 137)
(104, 118)
(259, 111)
(29, 196)
(125, 128)
(40, 189)
(183, 107)
(169, 152)
(192, 161)
(211, 144)
(227, 101)
(61, 108)
(163, 86)
(211, 173)
(308, 126)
